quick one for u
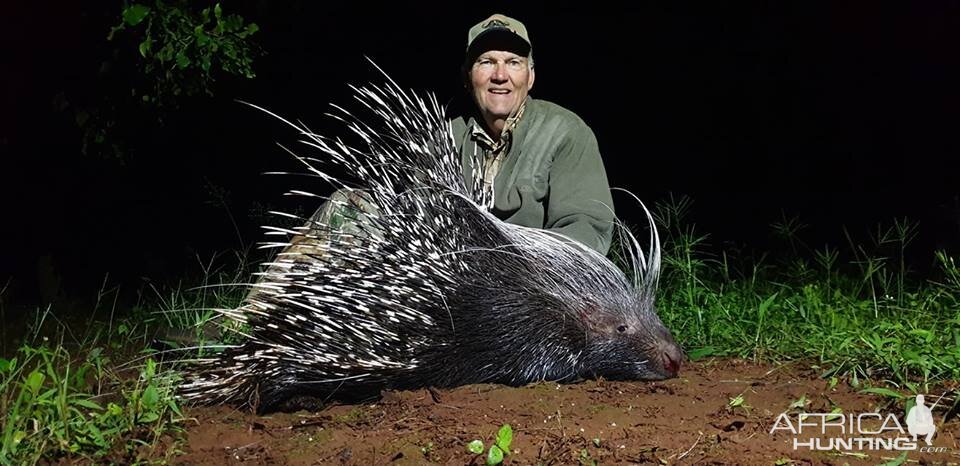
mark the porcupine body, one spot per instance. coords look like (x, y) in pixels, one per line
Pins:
(433, 290)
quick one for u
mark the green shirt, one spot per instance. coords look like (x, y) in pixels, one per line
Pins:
(550, 177)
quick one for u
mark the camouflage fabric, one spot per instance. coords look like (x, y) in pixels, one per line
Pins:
(494, 152)
(342, 219)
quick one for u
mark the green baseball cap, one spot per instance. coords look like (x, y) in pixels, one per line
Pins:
(501, 31)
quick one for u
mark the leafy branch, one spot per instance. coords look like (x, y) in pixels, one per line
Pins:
(184, 50)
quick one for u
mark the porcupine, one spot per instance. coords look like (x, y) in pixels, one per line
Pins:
(433, 290)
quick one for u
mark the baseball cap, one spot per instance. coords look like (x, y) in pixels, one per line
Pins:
(501, 32)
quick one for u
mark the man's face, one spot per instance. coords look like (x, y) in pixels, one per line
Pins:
(500, 81)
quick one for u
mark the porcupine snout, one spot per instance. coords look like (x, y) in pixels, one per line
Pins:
(671, 355)
(662, 354)
(630, 346)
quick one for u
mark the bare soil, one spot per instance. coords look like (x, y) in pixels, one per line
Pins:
(687, 420)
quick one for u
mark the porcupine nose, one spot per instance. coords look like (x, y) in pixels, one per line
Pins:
(672, 358)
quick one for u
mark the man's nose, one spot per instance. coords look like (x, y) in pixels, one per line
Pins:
(499, 73)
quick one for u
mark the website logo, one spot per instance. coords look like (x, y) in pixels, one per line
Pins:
(864, 431)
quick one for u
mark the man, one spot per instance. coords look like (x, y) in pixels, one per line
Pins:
(539, 163)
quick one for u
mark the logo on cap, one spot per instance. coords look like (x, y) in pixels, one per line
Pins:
(495, 23)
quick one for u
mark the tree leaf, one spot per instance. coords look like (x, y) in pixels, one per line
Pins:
(135, 13)
(202, 38)
(232, 23)
(182, 60)
(144, 47)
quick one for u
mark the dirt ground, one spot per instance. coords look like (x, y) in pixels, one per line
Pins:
(687, 420)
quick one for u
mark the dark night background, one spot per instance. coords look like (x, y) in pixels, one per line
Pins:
(840, 115)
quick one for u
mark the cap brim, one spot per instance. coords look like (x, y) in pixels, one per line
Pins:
(497, 39)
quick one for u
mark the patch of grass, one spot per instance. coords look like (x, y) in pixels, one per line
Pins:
(858, 314)
(77, 406)
(98, 392)
(196, 311)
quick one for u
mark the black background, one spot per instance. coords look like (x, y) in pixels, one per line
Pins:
(840, 114)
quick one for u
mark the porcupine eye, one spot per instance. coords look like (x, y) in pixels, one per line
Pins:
(622, 328)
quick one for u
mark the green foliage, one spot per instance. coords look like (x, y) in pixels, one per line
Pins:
(163, 52)
(103, 401)
(184, 50)
(498, 449)
(189, 316)
(51, 410)
(858, 314)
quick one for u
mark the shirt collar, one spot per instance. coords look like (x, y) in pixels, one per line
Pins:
(481, 136)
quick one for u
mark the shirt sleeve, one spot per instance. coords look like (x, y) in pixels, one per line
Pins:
(580, 205)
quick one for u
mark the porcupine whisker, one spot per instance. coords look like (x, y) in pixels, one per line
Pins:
(637, 260)
(654, 253)
(635, 253)
(623, 231)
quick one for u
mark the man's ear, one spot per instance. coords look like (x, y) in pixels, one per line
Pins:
(533, 75)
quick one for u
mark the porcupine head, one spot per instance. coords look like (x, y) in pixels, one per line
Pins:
(626, 339)
(606, 320)
(628, 346)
